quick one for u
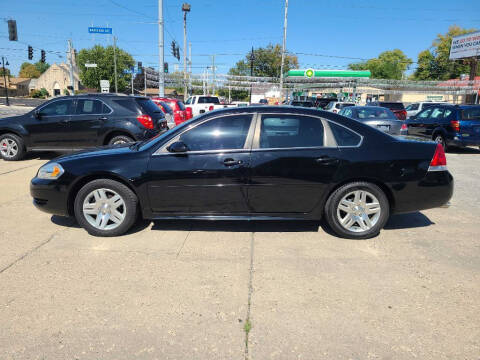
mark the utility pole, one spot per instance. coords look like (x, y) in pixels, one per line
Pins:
(145, 80)
(252, 59)
(70, 61)
(190, 65)
(161, 57)
(185, 9)
(5, 80)
(283, 48)
(115, 62)
(213, 75)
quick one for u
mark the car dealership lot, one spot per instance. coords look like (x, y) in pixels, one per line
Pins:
(178, 289)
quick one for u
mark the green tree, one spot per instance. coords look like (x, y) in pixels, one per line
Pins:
(103, 57)
(390, 64)
(7, 72)
(28, 70)
(434, 63)
(42, 67)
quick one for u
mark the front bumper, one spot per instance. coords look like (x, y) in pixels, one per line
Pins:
(49, 196)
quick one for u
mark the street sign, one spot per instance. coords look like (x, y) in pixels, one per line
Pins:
(464, 46)
(99, 30)
(132, 71)
(91, 65)
(105, 86)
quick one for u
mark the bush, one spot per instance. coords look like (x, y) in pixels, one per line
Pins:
(42, 93)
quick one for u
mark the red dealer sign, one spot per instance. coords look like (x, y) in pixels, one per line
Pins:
(464, 46)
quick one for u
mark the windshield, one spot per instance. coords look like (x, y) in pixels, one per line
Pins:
(330, 105)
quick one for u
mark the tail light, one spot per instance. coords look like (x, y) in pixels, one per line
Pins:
(210, 108)
(455, 125)
(335, 111)
(146, 121)
(403, 115)
(404, 127)
(439, 161)
(188, 113)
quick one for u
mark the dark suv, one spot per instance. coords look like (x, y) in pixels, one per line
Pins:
(79, 122)
(450, 125)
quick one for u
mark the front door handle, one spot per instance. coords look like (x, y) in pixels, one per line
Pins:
(102, 118)
(64, 121)
(232, 162)
(326, 160)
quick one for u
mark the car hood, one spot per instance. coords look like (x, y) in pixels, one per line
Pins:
(10, 119)
(98, 152)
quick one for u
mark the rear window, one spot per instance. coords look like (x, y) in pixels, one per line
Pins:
(208, 100)
(471, 113)
(166, 106)
(180, 105)
(393, 105)
(374, 113)
(148, 106)
(345, 105)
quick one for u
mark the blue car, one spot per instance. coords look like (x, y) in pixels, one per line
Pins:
(449, 125)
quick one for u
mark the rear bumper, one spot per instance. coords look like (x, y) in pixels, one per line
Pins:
(463, 141)
(49, 197)
(435, 190)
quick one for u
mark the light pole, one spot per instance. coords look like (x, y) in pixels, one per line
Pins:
(5, 79)
(283, 47)
(161, 57)
(252, 59)
(185, 9)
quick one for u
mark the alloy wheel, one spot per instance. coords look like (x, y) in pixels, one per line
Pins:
(8, 147)
(358, 211)
(104, 209)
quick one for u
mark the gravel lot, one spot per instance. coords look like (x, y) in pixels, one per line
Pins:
(188, 290)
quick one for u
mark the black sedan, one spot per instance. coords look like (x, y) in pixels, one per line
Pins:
(261, 162)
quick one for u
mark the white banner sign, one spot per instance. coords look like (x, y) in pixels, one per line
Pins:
(464, 46)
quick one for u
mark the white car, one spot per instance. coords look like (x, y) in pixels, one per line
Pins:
(202, 103)
(415, 108)
(336, 106)
(240, 103)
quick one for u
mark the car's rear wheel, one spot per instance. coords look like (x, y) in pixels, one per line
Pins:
(120, 139)
(12, 147)
(106, 207)
(357, 210)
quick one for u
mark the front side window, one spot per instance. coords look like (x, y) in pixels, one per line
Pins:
(189, 101)
(224, 133)
(61, 107)
(344, 136)
(330, 105)
(290, 131)
(88, 107)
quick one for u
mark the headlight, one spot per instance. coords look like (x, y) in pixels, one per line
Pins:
(50, 171)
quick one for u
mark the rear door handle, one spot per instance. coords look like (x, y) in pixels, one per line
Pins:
(232, 162)
(64, 121)
(326, 160)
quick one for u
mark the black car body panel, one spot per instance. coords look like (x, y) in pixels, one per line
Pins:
(83, 125)
(255, 182)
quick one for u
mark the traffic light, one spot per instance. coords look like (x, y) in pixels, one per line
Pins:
(165, 68)
(177, 53)
(139, 64)
(174, 49)
(42, 56)
(30, 52)
(12, 30)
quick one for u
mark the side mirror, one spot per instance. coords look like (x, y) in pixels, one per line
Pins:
(413, 117)
(37, 114)
(178, 147)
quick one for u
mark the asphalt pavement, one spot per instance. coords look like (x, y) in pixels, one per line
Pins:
(236, 290)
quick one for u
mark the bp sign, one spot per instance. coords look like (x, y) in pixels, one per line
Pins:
(309, 73)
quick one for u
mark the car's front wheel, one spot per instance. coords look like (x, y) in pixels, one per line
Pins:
(12, 147)
(106, 207)
(358, 210)
(120, 140)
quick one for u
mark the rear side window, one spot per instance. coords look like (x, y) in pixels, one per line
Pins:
(128, 104)
(91, 107)
(437, 113)
(425, 114)
(344, 136)
(412, 107)
(471, 114)
(290, 131)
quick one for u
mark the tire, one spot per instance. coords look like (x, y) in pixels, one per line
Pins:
(101, 216)
(438, 138)
(120, 139)
(12, 147)
(357, 227)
